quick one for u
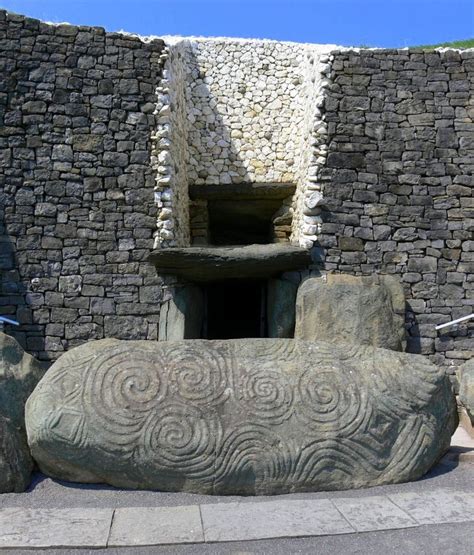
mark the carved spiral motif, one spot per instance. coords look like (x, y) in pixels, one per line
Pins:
(330, 401)
(250, 455)
(284, 349)
(267, 395)
(199, 375)
(237, 417)
(179, 437)
(121, 390)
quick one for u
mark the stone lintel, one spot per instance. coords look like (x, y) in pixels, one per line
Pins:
(203, 264)
(242, 191)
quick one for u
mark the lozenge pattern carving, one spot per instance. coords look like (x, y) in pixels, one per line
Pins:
(255, 416)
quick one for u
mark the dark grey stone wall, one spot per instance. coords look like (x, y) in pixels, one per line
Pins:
(399, 182)
(77, 212)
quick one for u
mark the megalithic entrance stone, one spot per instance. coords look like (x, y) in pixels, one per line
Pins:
(181, 317)
(251, 416)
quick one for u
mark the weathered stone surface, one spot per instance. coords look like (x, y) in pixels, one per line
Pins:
(255, 416)
(466, 387)
(217, 263)
(281, 308)
(242, 191)
(412, 213)
(19, 374)
(350, 309)
(181, 316)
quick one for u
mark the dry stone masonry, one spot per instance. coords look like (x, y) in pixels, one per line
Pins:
(398, 184)
(78, 213)
(104, 135)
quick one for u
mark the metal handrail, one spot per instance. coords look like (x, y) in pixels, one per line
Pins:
(5, 320)
(464, 318)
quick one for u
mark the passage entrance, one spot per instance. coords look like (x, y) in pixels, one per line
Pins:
(235, 309)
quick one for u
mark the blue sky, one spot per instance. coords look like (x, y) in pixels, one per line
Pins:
(385, 23)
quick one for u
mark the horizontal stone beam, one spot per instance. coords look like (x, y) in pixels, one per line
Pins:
(217, 263)
(242, 191)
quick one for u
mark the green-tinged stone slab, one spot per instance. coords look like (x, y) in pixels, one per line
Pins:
(203, 264)
(250, 416)
(19, 374)
(466, 387)
(341, 308)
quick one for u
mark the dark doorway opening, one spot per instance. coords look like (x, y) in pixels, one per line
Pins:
(241, 222)
(235, 309)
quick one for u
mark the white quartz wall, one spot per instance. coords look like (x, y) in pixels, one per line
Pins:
(170, 152)
(245, 110)
(234, 111)
(306, 223)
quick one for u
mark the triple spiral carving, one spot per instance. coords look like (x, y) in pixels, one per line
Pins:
(232, 417)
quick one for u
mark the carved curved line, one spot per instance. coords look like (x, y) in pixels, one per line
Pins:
(411, 442)
(346, 455)
(244, 447)
(180, 438)
(199, 374)
(266, 395)
(119, 392)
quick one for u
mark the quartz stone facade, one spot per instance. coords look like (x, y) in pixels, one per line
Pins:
(240, 111)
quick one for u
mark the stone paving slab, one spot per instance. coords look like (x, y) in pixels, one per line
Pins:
(54, 527)
(156, 526)
(438, 507)
(374, 513)
(272, 519)
(230, 521)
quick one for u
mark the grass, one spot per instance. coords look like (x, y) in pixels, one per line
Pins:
(468, 43)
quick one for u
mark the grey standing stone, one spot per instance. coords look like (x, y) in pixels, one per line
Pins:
(181, 317)
(466, 387)
(254, 416)
(348, 309)
(19, 374)
(281, 301)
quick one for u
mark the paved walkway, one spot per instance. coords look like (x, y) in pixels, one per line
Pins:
(329, 514)
(224, 522)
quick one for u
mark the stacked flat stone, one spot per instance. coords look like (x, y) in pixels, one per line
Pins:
(398, 184)
(98, 145)
(76, 183)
